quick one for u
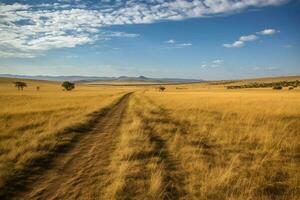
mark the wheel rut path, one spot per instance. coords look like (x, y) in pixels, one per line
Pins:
(81, 172)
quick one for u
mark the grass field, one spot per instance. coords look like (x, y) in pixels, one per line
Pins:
(232, 145)
(34, 123)
(197, 141)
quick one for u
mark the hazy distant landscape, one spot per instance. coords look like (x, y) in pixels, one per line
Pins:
(95, 80)
(149, 100)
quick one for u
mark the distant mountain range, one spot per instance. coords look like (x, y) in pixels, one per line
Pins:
(104, 79)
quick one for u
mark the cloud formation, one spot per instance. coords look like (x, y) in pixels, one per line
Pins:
(174, 44)
(26, 30)
(249, 38)
(171, 41)
(213, 64)
(268, 32)
(236, 44)
(218, 61)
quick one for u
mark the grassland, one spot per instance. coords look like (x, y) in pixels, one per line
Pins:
(33, 124)
(192, 141)
(208, 145)
(234, 145)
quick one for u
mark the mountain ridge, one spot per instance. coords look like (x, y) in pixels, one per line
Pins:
(87, 79)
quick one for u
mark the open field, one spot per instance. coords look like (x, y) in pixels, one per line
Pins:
(232, 145)
(192, 141)
(35, 123)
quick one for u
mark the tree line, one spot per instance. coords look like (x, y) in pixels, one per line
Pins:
(67, 86)
(275, 85)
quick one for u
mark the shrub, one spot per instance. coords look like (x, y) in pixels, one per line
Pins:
(291, 88)
(161, 88)
(277, 87)
(68, 85)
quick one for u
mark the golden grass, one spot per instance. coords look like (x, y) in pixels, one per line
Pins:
(34, 123)
(208, 144)
(136, 167)
(233, 144)
(193, 141)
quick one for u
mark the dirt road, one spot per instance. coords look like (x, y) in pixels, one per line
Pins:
(80, 173)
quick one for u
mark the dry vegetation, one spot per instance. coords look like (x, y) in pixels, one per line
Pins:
(33, 124)
(208, 145)
(200, 142)
(234, 145)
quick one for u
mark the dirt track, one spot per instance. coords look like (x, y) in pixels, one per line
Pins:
(80, 173)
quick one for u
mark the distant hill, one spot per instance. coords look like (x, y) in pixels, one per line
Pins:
(96, 79)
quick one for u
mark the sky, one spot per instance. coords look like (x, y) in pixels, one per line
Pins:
(202, 39)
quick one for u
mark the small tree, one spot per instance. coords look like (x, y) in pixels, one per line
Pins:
(161, 88)
(20, 85)
(68, 85)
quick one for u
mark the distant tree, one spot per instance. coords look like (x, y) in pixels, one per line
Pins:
(277, 87)
(68, 85)
(37, 88)
(161, 88)
(20, 85)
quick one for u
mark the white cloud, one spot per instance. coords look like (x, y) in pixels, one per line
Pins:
(29, 29)
(268, 32)
(8, 54)
(121, 34)
(213, 64)
(184, 44)
(247, 38)
(171, 41)
(241, 42)
(236, 44)
(218, 61)
(175, 45)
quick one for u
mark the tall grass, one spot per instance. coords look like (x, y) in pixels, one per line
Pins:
(198, 143)
(233, 145)
(207, 145)
(136, 169)
(34, 123)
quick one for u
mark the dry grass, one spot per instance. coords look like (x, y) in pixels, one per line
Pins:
(233, 145)
(197, 142)
(136, 165)
(34, 123)
(208, 144)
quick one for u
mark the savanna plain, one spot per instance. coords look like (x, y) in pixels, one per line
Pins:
(190, 141)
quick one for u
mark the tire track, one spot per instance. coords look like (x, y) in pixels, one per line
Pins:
(80, 173)
(174, 177)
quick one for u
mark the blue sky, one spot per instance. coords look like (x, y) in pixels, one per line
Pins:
(206, 39)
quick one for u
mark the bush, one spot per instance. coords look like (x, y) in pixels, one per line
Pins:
(68, 85)
(291, 88)
(161, 88)
(277, 87)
